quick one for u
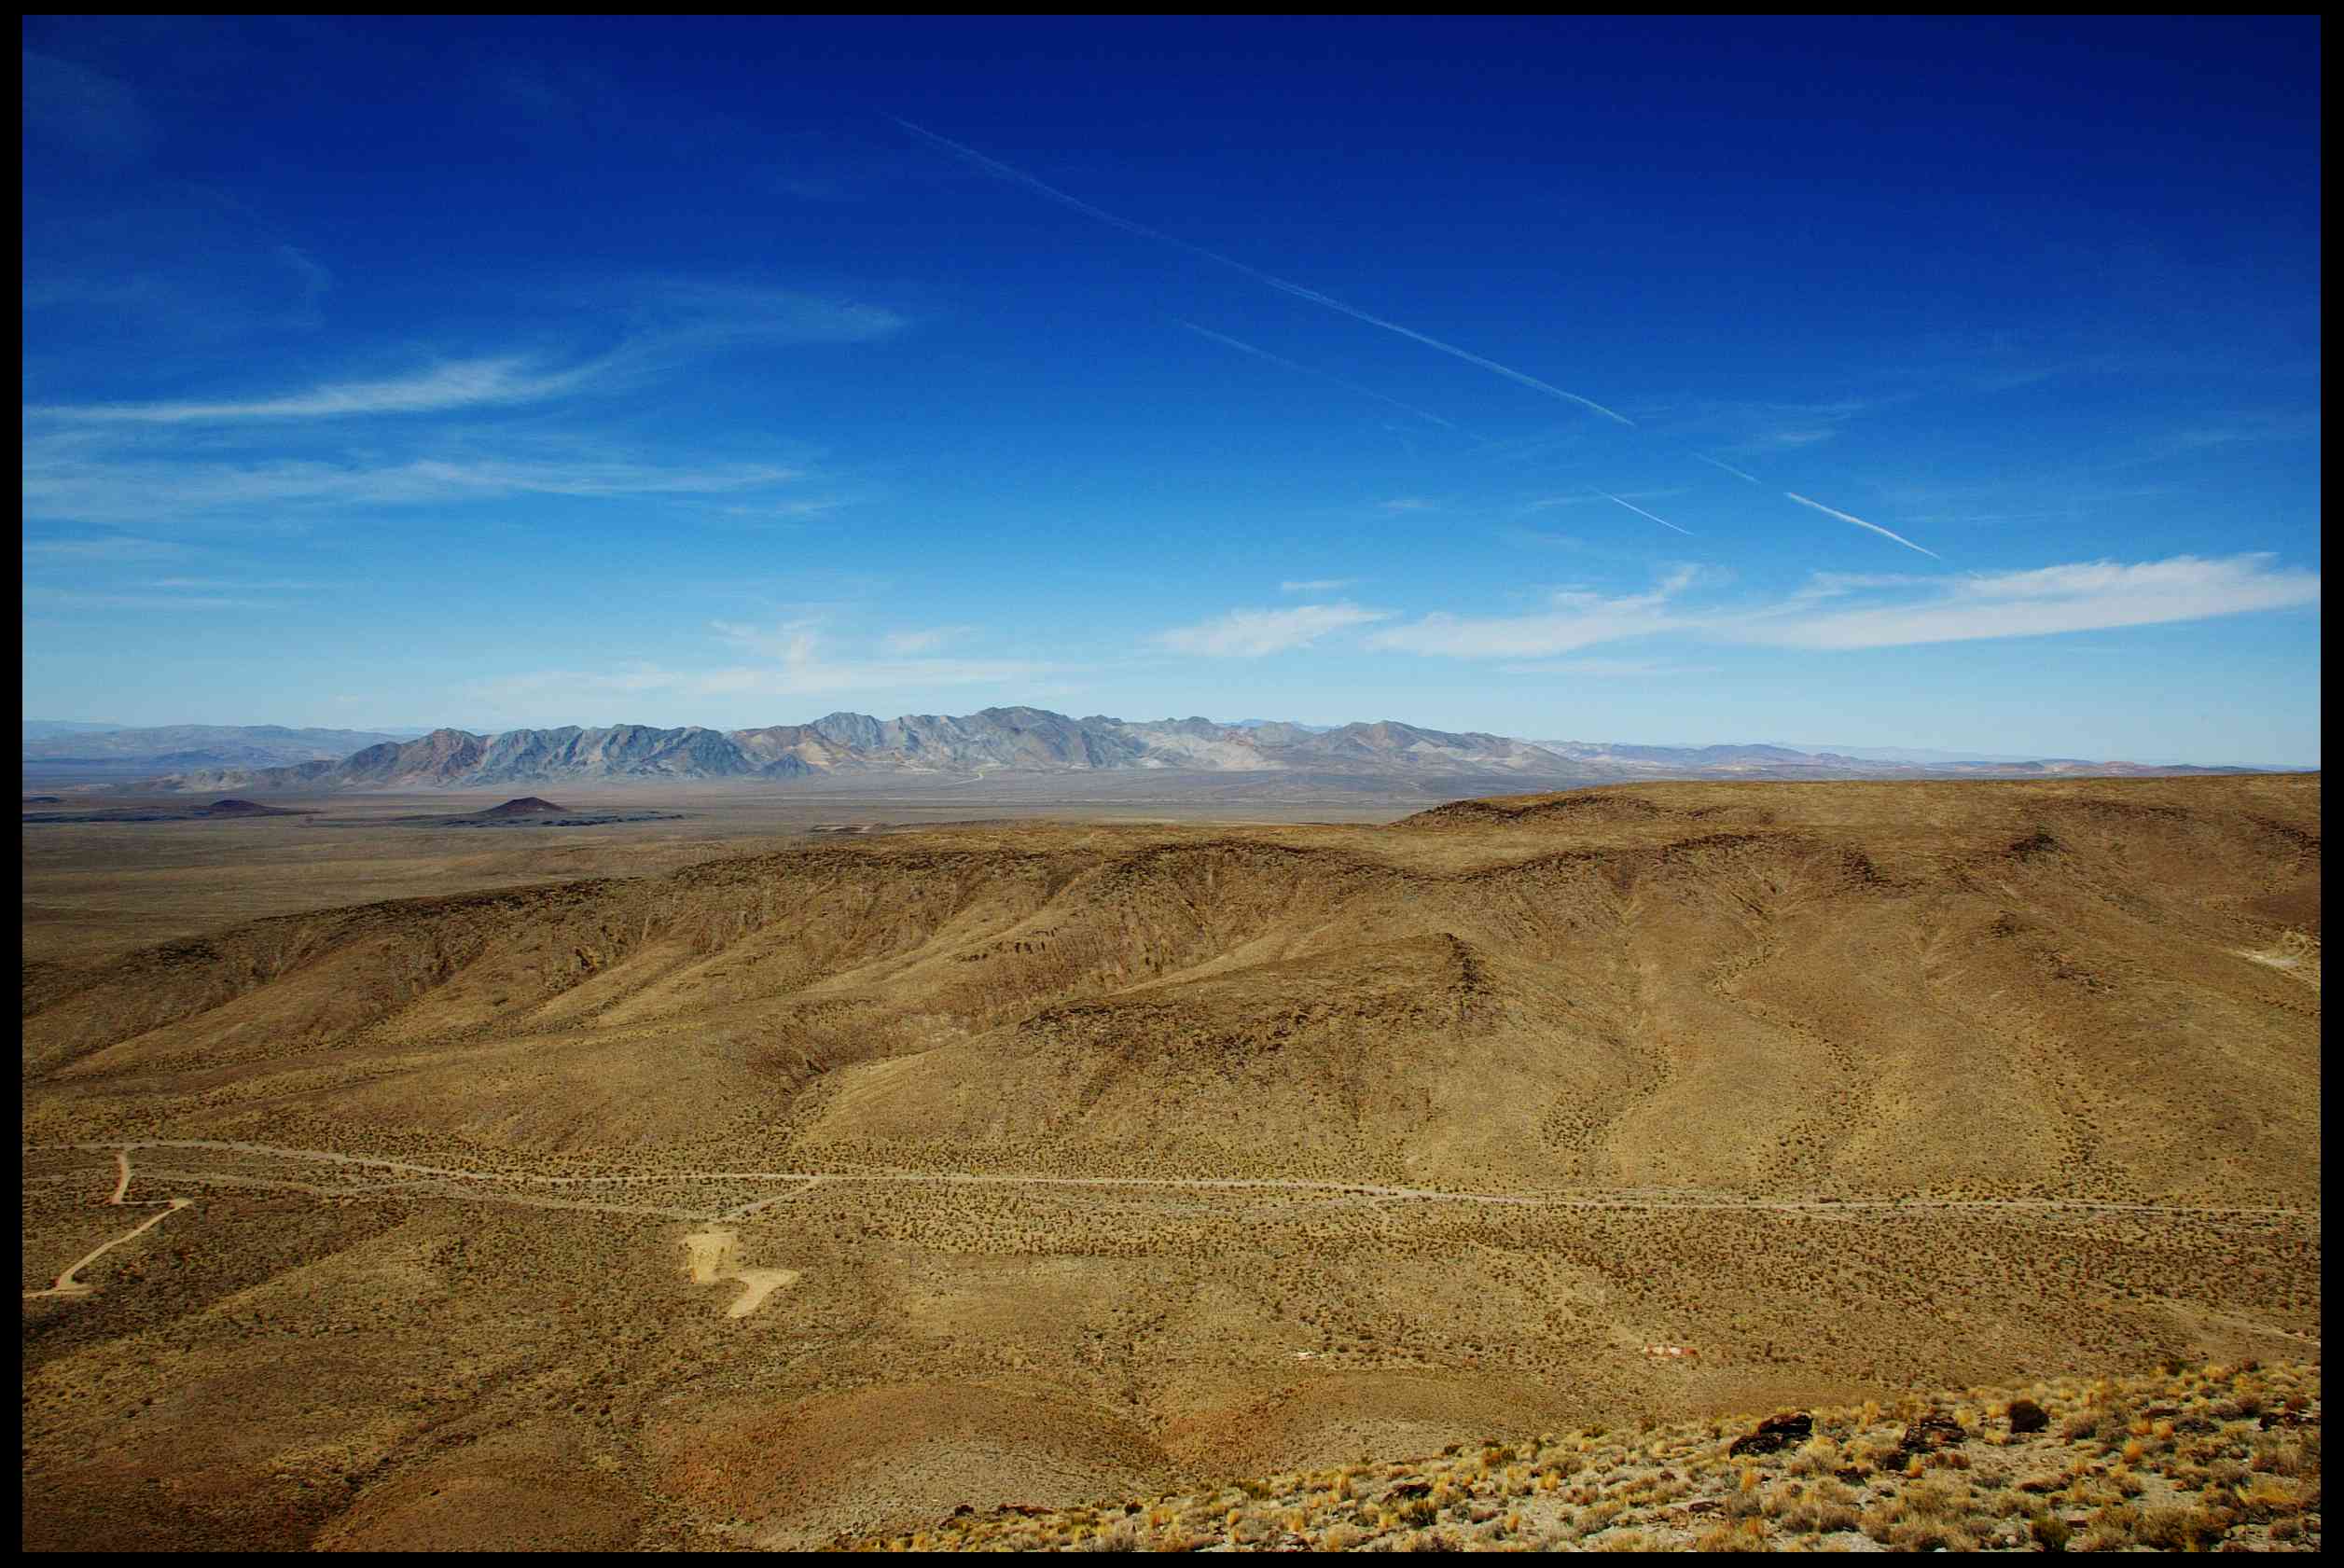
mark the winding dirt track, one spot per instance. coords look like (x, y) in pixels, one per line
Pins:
(441, 1180)
(66, 1285)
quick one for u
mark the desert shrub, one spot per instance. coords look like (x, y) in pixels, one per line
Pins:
(2027, 1416)
(2111, 1529)
(2269, 1496)
(2179, 1529)
(1627, 1540)
(1930, 1535)
(2275, 1455)
(2049, 1531)
(1817, 1456)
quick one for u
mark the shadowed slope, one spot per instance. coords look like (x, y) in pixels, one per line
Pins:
(2009, 987)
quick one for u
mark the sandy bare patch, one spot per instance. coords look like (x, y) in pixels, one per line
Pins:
(2296, 954)
(711, 1254)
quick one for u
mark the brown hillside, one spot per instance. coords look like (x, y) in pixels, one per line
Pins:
(1751, 988)
(824, 1190)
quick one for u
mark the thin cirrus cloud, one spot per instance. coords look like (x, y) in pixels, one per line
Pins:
(1737, 472)
(677, 321)
(265, 586)
(1573, 620)
(1846, 517)
(685, 313)
(2042, 601)
(459, 385)
(1253, 633)
(922, 639)
(124, 548)
(798, 663)
(39, 598)
(1317, 584)
(1226, 341)
(1018, 176)
(98, 117)
(1548, 502)
(1641, 512)
(791, 659)
(97, 491)
(2083, 597)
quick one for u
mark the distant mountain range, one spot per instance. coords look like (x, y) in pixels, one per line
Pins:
(998, 740)
(58, 743)
(44, 728)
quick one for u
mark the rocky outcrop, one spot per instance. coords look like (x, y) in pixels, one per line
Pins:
(1773, 1434)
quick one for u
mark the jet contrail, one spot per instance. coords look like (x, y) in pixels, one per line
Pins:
(1727, 466)
(1321, 375)
(1018, 176)
(1834, 511)
(1641, 512)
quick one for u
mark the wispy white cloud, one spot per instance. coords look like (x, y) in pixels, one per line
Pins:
(1703, 457)
(1253, 634)
(265, 586)
(1573, 619)
(2081, 597)
(120, 548)
(1589, 498)
(1018, 176)
(539, 687)
(1407, 503)
(798, 662)
(1642, 513)
(2228, 428)
(312, 278)
(96, 115)
(1317, 585)
(1902, 610)
(790, 659)
(674, 321)
(690, 312)
(1604, 669)
(1317, 375)
(1789, 440)
(39, 598)
(459, 385)
(1845, 516)
(95, 490)
(780, 510)
(922, 639)
(1830, 584)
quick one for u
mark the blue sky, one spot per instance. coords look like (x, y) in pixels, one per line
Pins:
(1937, 383)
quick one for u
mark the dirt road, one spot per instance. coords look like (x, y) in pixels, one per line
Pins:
(66, 1283)
(481, 1184)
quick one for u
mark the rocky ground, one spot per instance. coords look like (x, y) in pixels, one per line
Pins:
(2206, 1459)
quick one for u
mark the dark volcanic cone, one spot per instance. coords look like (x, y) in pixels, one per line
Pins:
(527, 806)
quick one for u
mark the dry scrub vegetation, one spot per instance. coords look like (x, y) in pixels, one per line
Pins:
(1080, 1161)
(2195, 1460)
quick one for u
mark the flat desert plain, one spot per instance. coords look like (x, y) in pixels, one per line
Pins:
(807, 1165)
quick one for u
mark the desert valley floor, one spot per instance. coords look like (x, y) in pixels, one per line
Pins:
(766, 1172)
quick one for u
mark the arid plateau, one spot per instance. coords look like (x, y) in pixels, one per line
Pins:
(742, 1170)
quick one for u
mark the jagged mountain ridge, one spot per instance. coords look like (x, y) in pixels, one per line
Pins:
(996, 739)
(1026, 739)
